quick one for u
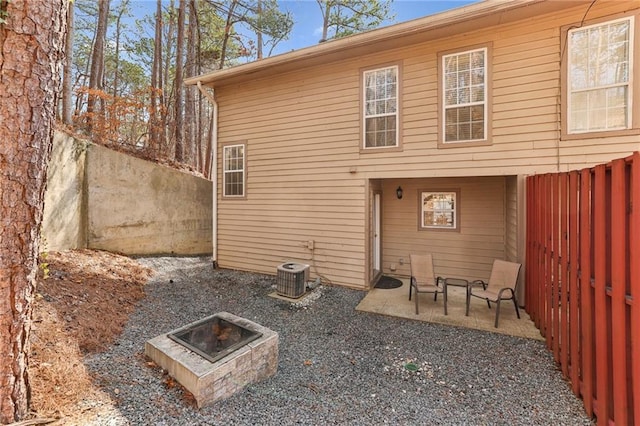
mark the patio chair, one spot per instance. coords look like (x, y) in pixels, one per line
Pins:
(424, 280)
(502, 285)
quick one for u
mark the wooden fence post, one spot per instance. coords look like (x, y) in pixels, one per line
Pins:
(563, 276)
(574, 306)
(586, 292)
(634, 284)
(548, 259)
(619, 325)
(554, 260)
(599, 196)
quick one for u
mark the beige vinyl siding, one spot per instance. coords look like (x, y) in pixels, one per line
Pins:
(306, 178)
(526, 76)
(299, 188)
(511, 219)
(467, 253)
(515, 214)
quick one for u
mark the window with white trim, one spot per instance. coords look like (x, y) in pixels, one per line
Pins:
(233, 172)
(439, 210)
(464, 96)
(380, 105)
(598, 74)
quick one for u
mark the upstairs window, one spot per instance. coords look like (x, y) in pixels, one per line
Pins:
(233, 173)
(464, 96)
(600, 64)
(380, 107)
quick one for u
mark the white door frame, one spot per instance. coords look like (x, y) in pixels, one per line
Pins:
(377, 230)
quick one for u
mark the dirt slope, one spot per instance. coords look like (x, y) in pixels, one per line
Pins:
(83, 300)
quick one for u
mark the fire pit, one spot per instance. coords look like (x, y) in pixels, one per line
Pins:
(217, 356)
(213, 337)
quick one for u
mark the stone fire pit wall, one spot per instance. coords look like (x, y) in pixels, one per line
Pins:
(210, 382)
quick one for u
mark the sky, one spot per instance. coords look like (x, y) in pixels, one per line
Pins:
(307, 29)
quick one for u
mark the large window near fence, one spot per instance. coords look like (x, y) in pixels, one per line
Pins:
(439, 210)
(233, 173)
(600, 66)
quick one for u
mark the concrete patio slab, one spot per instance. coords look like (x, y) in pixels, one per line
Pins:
(395, 302)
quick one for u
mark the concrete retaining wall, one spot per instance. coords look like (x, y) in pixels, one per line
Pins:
(103, 199)
(63, 222)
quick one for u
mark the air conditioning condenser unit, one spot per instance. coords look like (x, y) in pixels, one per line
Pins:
(292, 279)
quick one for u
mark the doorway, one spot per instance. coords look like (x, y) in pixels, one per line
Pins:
(377, 229)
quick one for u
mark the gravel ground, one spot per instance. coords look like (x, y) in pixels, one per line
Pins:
(336, 365)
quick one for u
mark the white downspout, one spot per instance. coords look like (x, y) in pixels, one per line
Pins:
(214, 173)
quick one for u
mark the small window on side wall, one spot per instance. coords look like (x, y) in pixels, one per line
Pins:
(233, 174)
(439, 210)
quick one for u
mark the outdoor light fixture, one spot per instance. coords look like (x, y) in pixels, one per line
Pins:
(399, 193)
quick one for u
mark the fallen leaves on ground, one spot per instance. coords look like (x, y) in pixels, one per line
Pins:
(83, 300)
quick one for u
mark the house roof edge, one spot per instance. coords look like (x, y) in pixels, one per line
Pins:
(305, 56)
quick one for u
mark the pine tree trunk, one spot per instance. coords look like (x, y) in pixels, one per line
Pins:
(156, 86)
(178, 86)
(67, 94)
(325, 7)
(259, 41)
(190, 92)
(31, 52)
(97, 62)
(116, 54)
(227, 33)
(166, 125)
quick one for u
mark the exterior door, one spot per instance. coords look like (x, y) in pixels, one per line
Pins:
(377, 252)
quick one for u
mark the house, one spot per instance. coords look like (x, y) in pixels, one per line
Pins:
(417, 137)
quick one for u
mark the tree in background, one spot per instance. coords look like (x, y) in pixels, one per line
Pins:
(132, 93)
(83, 33)
(193, 104)
(156, 98)
(273, 23)
(32, 35)
(341, 18)
(178, 85)
(97, 62)
(263, 18)
(67, 89)
(128, 80)
(122, 10)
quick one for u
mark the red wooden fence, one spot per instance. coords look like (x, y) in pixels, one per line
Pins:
(583, 281)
